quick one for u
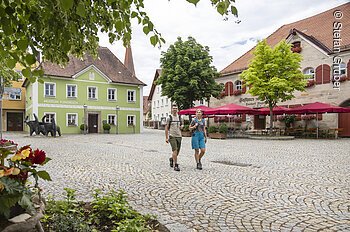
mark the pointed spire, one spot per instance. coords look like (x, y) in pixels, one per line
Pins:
(128, 60)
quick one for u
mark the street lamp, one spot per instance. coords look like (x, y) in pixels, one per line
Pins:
(117, 108)
(85, 108)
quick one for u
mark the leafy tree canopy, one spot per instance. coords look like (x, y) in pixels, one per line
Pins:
(274, 73)
(187, 73)
(59, 28)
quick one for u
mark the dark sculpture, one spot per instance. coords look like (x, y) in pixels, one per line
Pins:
(42, 127)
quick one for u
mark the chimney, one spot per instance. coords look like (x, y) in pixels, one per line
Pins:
(128, 60)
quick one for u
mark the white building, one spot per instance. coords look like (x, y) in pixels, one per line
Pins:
(161, 105)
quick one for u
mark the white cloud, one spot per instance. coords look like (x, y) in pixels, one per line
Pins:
(227, 40)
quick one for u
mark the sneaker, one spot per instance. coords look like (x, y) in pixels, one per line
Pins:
(171, 162)
(176, 168)
(199, 166)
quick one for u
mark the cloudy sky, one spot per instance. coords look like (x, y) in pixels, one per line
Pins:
(227, 40)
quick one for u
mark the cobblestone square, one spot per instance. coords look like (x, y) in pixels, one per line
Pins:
(294, 185)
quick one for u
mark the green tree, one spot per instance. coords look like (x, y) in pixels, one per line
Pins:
(187, 73)
(274, 74)
(59, 28)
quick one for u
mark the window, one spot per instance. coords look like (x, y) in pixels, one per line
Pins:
(166, 101)
(49, 117)
(201, 102)
(71, 90)
(162, 102)
(92, 92)
(72, 119)
(111, 94)
(342, 68)
(238, 85)
(131, 96)
(154, 104)
(131, 120)
(157, 103)
(111, 119)
(91, 76)
(13, 93)
(50, 89)
(310, 73)
(166, 115)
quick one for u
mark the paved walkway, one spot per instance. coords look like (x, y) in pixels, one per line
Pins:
(287, 186)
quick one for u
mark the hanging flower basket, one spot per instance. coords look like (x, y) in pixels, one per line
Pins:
(237, 92)
(310, 83)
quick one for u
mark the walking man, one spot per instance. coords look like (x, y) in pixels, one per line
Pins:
(173, 135)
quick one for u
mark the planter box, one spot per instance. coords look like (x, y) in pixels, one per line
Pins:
(186, 133)
(106, 131)
(217, 136)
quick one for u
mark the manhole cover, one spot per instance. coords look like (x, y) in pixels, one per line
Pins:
(151, 151)
(232, 163)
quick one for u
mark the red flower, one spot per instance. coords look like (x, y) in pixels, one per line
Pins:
(39, 157)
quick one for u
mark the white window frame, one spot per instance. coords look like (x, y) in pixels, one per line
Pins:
(115, 94)
(54, 89)
(311, 75)
(76, 119)
(15, 99)
(238, 85)
(54, 113)
(127, 95)
(76, 91)
(127, 119)
(115, 119)
(96, 93)
(342, 68)
(166, 101)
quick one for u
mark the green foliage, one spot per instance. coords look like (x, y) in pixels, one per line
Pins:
(62, 27)
(110, 212)
(289, 120)
(106, 126)
(186, 127)
(212, 129)
(82, 127)
(187, 73)
(223, 129)
(274, 74)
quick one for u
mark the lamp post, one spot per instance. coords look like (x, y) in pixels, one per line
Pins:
(117, 108)
(85, 107)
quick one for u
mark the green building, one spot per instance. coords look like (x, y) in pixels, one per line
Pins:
(90, 91)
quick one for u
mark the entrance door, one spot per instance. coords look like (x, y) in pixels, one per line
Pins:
(93, 123)
(14, 121)
(344, 122)
(259, 122)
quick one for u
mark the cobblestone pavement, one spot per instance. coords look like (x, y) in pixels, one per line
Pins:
(296, 185)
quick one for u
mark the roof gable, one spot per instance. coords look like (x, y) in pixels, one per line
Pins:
(97, 75)
(317, 29)
(156, 75)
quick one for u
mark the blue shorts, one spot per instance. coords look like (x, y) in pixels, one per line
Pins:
(198, 140)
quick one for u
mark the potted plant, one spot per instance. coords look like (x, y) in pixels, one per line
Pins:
(82, 128)
(218, 132)
(106, 128)
(289, 120)
(17, 195)
(185, 132)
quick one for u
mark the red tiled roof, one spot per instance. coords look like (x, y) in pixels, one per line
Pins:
(107, 63)
(317, 28)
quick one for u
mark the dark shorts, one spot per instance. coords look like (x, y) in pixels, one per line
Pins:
(175, 143)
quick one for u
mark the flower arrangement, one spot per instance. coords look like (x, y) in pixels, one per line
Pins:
(14, 174)
(296, 49)
(310, 83)
(237, 92)
(308, 117)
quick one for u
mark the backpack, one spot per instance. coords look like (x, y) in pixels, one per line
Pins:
(171, 120)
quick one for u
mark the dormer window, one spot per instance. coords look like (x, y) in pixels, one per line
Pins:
(296, 47)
